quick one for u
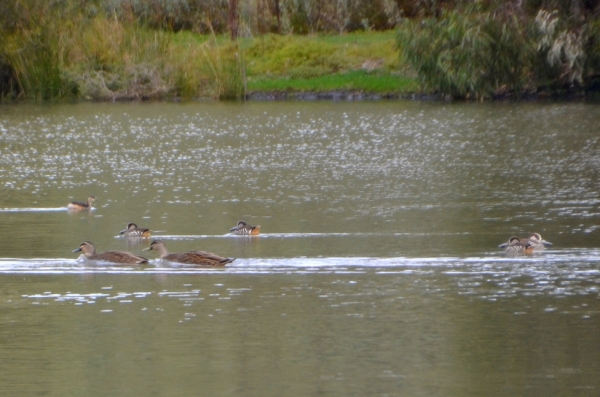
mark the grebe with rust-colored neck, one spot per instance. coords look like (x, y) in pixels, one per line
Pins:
(78, 206)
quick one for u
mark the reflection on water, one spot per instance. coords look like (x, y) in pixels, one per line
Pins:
(340, 329)
(377, 270)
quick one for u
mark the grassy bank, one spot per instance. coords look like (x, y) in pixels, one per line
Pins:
(360, 81)
(109, 60)
(366, 62)
(65, 49)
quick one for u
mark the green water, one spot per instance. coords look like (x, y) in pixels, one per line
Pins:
(376, 273)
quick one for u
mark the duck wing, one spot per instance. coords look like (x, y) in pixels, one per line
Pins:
(120, 257)
(200, 258)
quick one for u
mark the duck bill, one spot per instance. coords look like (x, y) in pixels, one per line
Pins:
(77, 250)
(123, 231)
(147, 249)
(546, 243)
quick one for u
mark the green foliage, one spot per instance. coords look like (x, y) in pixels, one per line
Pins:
(591, 34)
(283, 55)
(106, 59)
(476, 54)
(227, 68)
(467, 55)
(35, 63)
(64, 49)
(312, 56)
(299, 22)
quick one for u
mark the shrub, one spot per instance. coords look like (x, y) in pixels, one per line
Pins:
(34, 60)
(468, 55)
(560, 50)
(591, 33)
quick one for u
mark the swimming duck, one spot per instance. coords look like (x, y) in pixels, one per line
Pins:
(517, 246)
(244, 229)
(77, 206)
(191, 257)
(89, 250)
(535, 239)
(538, 242)
(133, 230)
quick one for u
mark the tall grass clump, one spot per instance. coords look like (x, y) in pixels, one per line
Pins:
(477, 54)
(128, 61)
(33, 57)
(100, 57)
(225, 64)
(466, 55)
(561, 55)
(591, 47)
(109, 60)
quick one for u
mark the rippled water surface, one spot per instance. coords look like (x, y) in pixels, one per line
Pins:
(377, 271)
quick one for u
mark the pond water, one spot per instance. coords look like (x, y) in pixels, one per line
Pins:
(377, 271)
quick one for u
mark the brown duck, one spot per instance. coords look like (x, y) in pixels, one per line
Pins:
(536, 240)
(89, 250)
(191, 257)
(516, 246)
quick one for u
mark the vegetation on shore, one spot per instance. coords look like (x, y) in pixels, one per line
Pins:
(476, 52)
(125, 49)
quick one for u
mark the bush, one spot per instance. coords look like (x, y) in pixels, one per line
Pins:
(479, 55)
(107, 59)
(591, 35)
(468, 55)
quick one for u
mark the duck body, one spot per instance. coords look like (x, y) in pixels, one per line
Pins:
(78, 206)
(516, 246)
(244, 229)
(538, 242)
(133, 230)
(201, 258)
(89, 250)
(535, 239)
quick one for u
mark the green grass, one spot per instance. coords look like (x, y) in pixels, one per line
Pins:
(319, 63)
(106, 59)
(310, 56)
(358, 80)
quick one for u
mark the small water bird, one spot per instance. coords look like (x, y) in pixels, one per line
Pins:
(133, 230)
(78, 206)
(191, 257)
(517, 246)
(89, 250)
(244, 229)
(535, 239)
(538, 242)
